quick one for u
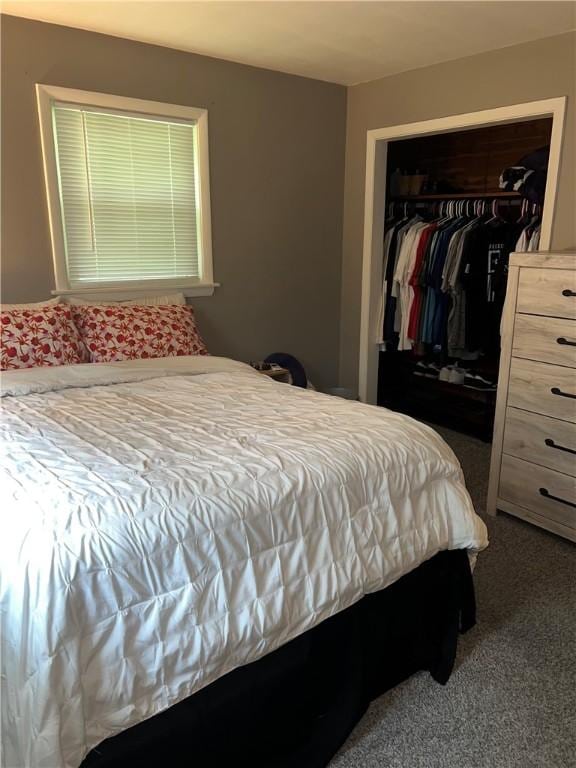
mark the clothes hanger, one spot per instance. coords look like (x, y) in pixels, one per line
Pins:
(494, 209)
(523, 209)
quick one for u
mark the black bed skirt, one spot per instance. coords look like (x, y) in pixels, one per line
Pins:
(295, 707)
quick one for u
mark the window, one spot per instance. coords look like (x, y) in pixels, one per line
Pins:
(128, 197)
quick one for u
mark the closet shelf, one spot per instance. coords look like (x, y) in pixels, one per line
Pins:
(456, 196)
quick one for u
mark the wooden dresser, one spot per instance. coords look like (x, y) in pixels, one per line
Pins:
(533, 466)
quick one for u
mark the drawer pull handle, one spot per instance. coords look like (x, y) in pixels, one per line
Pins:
(568, 292)
(563, 340)
(545, 492)
(558, 391)
(551, 444)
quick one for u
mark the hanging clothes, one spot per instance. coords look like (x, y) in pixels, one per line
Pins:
(529, 237)
(444, 278)
(392, 248)
(534, 241)
(484, 272)
(401, 289)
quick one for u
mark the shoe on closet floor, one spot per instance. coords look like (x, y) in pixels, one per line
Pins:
(475, 381)
(453, 374)
(430, 370)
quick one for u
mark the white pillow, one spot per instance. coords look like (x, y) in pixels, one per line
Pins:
(145, 301)
(47, 303)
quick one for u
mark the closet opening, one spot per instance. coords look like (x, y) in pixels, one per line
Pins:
(457, 205)
(447, 201)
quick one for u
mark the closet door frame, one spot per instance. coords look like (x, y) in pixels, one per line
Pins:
(375, 205)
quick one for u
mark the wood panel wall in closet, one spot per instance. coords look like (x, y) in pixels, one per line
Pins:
(471, 161)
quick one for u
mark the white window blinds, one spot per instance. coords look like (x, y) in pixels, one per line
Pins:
(129, 196)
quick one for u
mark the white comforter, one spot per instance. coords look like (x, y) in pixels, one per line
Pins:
(164, 522)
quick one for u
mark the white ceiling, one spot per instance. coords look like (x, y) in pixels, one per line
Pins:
(342, 42)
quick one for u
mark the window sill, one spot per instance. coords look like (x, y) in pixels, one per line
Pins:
(119, 293)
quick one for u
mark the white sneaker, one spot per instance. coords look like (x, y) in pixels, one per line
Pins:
(446, 373)
(457, 376)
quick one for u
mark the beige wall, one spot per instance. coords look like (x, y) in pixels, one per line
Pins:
(527, 72)
(277, 174)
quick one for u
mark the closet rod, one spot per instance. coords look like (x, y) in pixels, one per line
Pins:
(424, 203)
(457, 196)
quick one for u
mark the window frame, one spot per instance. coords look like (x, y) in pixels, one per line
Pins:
(203, 285)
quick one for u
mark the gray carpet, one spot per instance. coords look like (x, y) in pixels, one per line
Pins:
(511, 700)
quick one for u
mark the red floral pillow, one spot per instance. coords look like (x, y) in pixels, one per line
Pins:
(41, 336)
(134, 332)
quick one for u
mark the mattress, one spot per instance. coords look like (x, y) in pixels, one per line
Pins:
(167, 521)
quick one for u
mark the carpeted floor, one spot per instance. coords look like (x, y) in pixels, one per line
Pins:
(511, 701)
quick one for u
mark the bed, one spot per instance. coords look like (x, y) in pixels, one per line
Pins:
(170, 523)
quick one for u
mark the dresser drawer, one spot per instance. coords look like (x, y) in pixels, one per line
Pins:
(543, 388)
(547, 292)
(543, 491)
(540, 439)
(546, 339)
